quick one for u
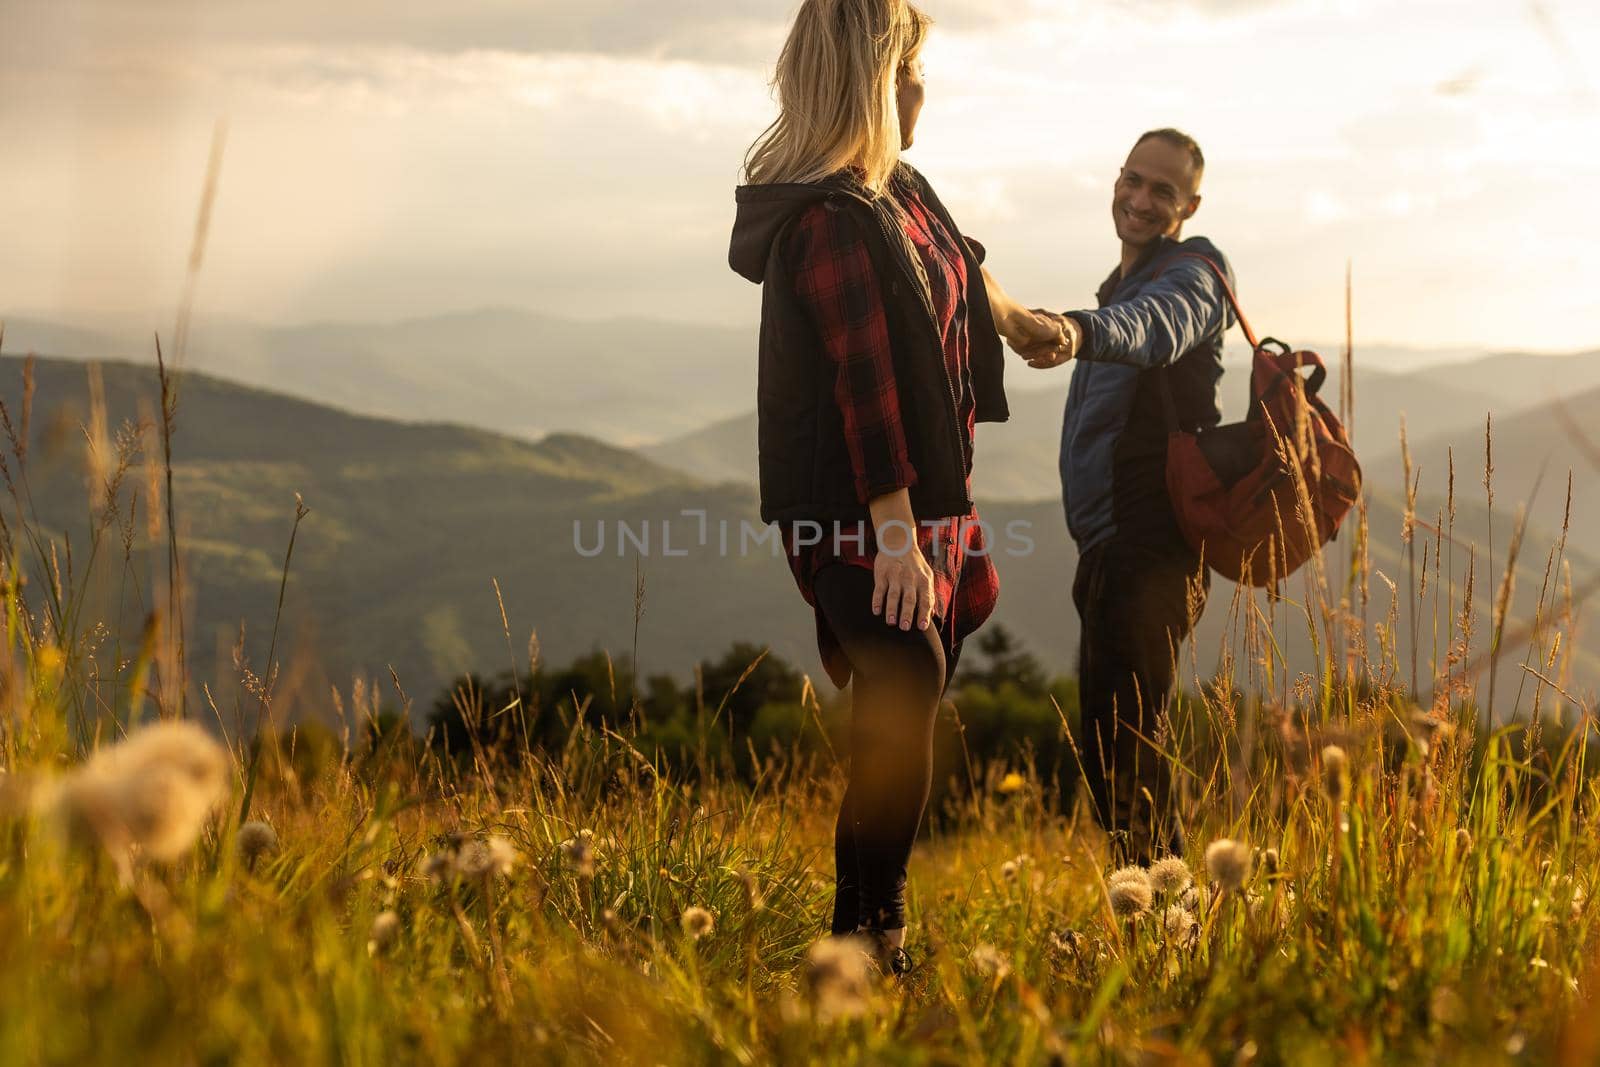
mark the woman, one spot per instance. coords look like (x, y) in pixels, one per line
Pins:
(879, 354)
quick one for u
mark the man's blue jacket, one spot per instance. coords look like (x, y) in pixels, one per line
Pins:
(1165, 320)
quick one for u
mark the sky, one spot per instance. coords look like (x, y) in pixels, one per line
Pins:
(579, 158)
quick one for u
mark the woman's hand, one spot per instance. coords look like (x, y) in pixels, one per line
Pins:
(902, 580)
(1028, 331)
(902, 589)
(1053, 352)
(1043, 338)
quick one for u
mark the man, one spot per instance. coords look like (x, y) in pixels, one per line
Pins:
(1150, 354)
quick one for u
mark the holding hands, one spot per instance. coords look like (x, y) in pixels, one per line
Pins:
(1043, 338)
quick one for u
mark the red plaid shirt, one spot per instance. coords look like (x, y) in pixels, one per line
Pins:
(835, 279)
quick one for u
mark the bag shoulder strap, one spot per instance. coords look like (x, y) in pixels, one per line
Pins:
(1167, 400)
(1227, 290)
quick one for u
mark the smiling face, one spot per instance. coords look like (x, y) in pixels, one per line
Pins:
(1156, 192)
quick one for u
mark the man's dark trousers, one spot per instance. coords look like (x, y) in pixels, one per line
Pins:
(1137, 601)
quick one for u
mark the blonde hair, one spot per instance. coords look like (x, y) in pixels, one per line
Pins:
(836, 81)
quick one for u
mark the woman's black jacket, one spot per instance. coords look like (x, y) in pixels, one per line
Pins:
(805, 467)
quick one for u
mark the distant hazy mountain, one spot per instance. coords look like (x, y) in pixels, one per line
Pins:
(1018, 459)
(522, 374)
(410, 525)
(638, 382)
(1519, 380)
(1534, 447)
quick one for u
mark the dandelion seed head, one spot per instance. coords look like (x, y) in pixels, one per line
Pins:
(697, 922)
(1335, 769)
(1130, 897)
(493, 857)
(578, 853)
(990, 961)
(1189, 899)
(1178, 922)
(1170, 876)
(385, 928)
(1228, 863)
(439, 867)
(838, 977)
(255, 840)
(149, 794)
(1271, 863)
(1128, 874)
(1065, 941)
(1463, 840)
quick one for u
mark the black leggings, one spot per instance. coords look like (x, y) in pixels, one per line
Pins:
(898, 679)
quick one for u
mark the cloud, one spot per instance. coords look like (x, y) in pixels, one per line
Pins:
(1208, 7)
(569, 157)
(739, 32)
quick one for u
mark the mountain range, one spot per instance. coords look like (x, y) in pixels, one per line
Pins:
(518, 373)
(639, 382)
(412, 526)
(1440, 407)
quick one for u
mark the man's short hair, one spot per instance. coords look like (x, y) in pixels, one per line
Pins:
(1178, 139)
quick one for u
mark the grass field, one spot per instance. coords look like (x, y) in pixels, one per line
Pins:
(1437, 914)
(1376, 880)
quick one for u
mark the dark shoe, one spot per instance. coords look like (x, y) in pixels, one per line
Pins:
(890, 958)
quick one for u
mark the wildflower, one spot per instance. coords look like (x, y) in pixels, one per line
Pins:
(1335, 771)
(385, 928)
(1178, 923)
(697, 922)
(837, 977)
(1012, 783)
(255, 840)
(1065, 941)
(438, 867)
(1128, 874)
(486, 859)
(1228, 863)
(149, 794)
(990, 961)
(578, 853)
(1170, 876)
(1130, 897)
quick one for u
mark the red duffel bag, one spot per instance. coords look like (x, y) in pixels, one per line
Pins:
(1257, 498)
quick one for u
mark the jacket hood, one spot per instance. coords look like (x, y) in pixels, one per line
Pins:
(763, 211)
